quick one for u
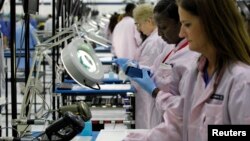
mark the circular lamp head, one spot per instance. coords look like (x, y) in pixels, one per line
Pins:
(244, 8)
(81, 63)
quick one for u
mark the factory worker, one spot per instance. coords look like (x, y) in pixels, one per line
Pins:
(153, 46)
(109, 28)
(20, 42)
(216, 90)
(48, 27)
(5, 32)
(178, 59)
(126, 38)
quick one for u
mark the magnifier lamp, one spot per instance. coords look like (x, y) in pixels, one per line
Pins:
(243, 5)
(78, 59)
(81, 63)
(98, 39)
(93, 37)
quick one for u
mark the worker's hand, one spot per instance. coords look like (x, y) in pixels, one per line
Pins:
(145, 82)
(124, 63)
(120, 61)
(131, 63)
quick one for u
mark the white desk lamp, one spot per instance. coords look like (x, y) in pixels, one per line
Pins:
(78, 58)
(81, 63)
(91, 36)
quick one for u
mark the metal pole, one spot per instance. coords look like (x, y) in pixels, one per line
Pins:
(13, 63)
(53, 56)
(27, 47)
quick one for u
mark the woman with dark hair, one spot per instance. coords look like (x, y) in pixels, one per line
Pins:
(178, 60)
(216, 90)
(113, 20)
(126, 39)
(146, 117)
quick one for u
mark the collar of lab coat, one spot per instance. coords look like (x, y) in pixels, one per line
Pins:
(202, 63)
(218, 75)
(180, 45)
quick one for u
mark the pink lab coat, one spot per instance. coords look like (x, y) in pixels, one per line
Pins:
(186, 118)
(150, 49)
(126, 39)
(146, 116)
(181, 59)
(180, 62)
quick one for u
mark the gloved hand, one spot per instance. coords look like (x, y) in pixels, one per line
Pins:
(124, 63)
(132, 63)
(145, 82)
(120, 61)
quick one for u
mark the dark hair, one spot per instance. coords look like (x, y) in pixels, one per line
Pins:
(167, 8)
(113, 21)
(129, 8)
(224, 27)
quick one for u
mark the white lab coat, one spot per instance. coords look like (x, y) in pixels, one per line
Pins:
(107, 32)
(233, 109)
(150, 49)
(169, 75)
(188, 116)
(48, 28)
(179, 60)
(126, 39)
(146, 116)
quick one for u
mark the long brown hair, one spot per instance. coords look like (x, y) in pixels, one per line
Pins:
(224, 27)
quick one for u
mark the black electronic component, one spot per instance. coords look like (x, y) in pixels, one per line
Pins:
(65, 128)
(80, 108)
(134, 72)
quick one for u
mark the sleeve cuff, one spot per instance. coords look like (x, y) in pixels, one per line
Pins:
(155, 92)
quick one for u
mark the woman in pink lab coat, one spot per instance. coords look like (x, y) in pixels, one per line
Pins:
(126, 38)
(216, 89)
(145, 116)
(178, 59)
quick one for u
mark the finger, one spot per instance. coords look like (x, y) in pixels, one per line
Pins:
(145, 73)
(124, 67)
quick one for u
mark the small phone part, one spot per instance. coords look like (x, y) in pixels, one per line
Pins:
(134, 72)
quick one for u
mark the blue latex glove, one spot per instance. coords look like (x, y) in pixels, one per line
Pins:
(145, 82)
(120, 61)
(132, 63)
